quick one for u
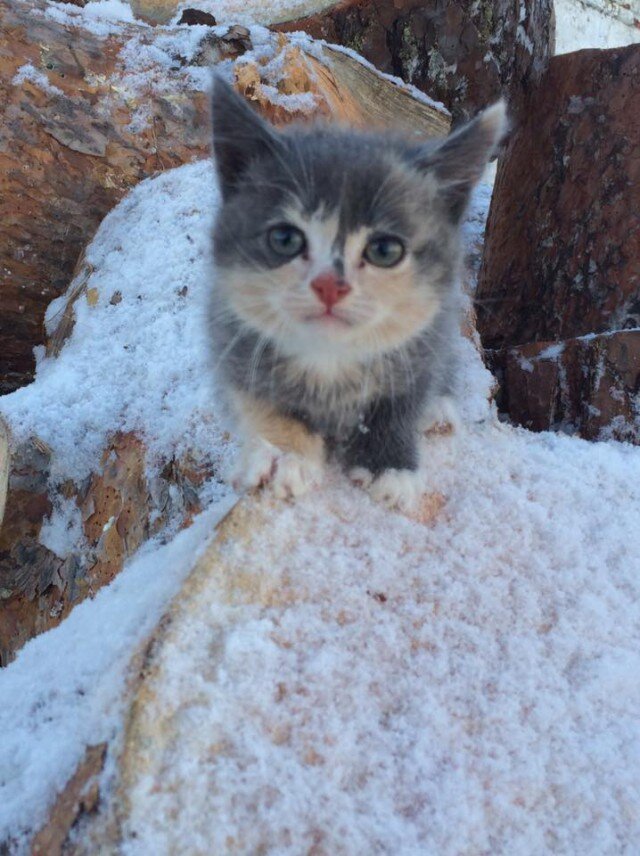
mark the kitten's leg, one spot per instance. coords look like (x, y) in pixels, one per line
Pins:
(383, 455)
(276, 450)
(441, 414)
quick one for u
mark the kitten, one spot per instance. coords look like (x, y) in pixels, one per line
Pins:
(335, 307)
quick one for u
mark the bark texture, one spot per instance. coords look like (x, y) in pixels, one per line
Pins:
(463, 53)
(562, 251)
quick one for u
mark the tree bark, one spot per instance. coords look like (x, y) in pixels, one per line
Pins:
(559, 288)
(463, 53)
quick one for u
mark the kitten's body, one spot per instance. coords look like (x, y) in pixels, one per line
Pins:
(327, 351)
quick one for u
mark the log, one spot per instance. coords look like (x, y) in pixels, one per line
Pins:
(462, 53)
(228, 573)
(561, 278)
(79, 796)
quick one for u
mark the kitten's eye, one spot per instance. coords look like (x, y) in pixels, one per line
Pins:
(286, 240)
(384, 251)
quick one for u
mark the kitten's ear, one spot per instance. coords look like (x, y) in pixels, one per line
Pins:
(239, 135)
(458, 163)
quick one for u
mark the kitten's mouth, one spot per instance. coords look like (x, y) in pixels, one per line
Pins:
(328, 318)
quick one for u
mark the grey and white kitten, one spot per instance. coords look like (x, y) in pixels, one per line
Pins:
(335, 307)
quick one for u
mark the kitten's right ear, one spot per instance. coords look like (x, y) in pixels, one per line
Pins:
(239, 135)
(459, 161)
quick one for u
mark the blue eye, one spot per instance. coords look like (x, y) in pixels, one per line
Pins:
(286, 240)
(384, 251)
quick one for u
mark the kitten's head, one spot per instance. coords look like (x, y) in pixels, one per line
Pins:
(335, 243)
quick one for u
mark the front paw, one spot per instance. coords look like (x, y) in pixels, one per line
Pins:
(288, 474)
(400, 489)
(255, 466)
(295, 475)
(441, 416)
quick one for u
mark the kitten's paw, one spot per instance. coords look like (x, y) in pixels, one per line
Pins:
(400, 489)
(295, 475)
(360, 476)
(441, 415)
(255, 466)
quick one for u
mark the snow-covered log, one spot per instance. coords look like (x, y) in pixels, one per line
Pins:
(334, 678)
(463, 52)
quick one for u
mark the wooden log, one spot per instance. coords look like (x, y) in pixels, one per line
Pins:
(463, 53)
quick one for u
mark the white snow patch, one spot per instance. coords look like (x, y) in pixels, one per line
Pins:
(596, 24)
(37, 77)
(101, 17)
(552, 352)
(62, 531)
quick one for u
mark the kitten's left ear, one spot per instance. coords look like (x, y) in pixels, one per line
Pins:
(240, 135)
(458, 163)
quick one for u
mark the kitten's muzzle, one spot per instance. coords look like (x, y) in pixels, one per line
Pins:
(330, 289)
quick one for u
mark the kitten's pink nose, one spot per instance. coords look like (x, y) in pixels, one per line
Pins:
(330, 288)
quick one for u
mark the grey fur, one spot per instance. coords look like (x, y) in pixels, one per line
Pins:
(369, 417)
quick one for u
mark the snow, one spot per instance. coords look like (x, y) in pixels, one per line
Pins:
(103, 18)
(62, 531)
(33, 75)
(371, 685)
(596, 24)
(65, 690)
(138, 359)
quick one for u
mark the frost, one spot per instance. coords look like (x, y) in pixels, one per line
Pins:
(39, 78)
(552, 352)
(62, 531)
